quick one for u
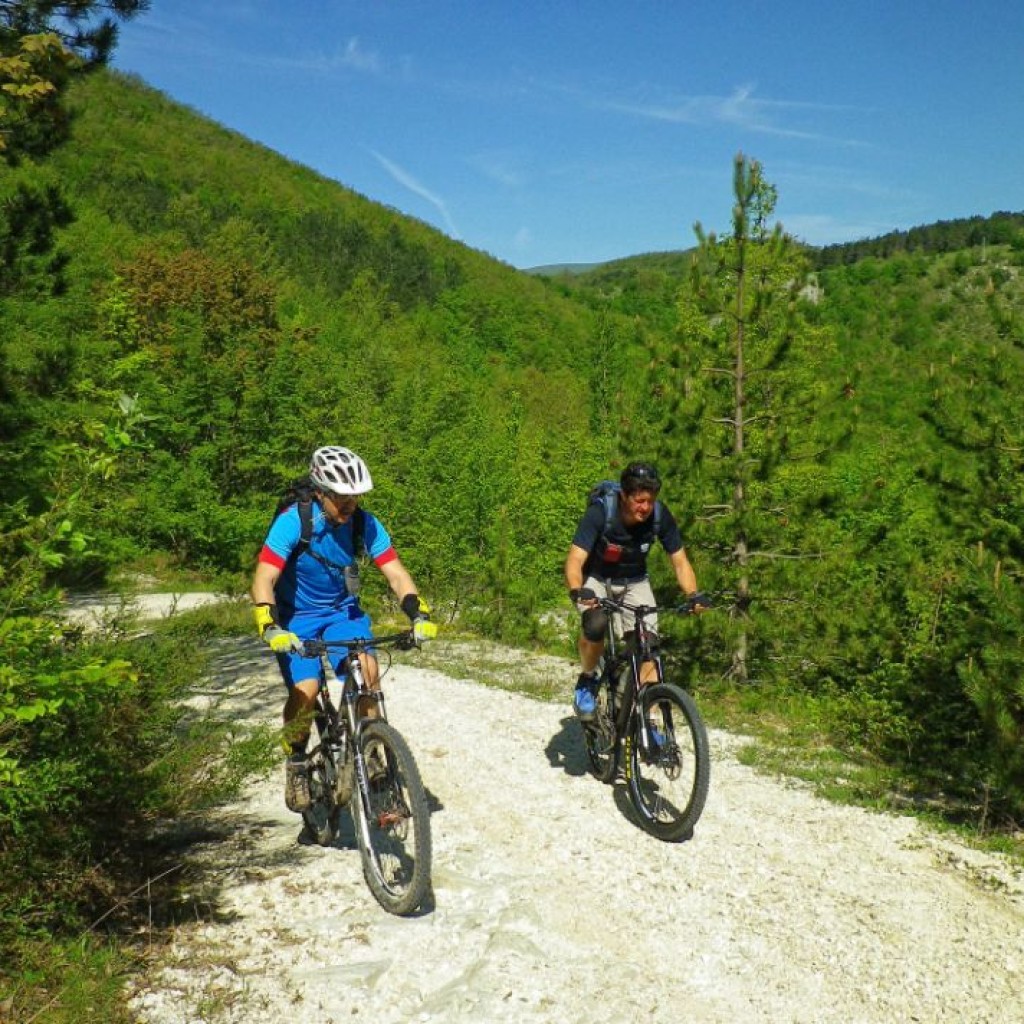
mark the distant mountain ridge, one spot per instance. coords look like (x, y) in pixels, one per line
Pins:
(999, 228)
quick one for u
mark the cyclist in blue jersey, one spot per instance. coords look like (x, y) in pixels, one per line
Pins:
(608, 558)
(307, 588)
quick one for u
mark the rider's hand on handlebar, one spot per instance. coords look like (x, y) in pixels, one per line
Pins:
(697, 602)
(419, 615)
(423, 629)
(583, 598)
(282, 641)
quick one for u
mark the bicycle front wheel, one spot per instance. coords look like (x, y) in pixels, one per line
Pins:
(392, 818)
(668, 780)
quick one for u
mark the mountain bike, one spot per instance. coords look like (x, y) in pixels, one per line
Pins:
(653, 729)
(365, 764)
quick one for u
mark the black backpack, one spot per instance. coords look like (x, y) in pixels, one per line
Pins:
(302, 493)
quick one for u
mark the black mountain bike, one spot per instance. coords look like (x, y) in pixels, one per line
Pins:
(654, 730)
(365, 764)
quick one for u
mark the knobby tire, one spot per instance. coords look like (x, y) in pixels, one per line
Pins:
(392, 823)
(599, 737)
(669, 786)
(321, 817)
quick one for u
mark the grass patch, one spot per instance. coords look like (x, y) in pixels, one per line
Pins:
(76, 982)
(545, 677)
(809, 738)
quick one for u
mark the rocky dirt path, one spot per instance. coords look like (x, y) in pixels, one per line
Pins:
(552, 906)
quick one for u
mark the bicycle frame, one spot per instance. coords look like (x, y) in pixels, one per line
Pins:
(362, 762)
(635, 656)
(353, 687)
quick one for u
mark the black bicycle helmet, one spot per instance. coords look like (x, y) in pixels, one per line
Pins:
(640, 476)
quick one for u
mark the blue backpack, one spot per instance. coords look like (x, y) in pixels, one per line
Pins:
(606, 493)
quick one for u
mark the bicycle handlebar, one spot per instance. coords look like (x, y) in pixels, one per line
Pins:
(688, 607)
(404, 641)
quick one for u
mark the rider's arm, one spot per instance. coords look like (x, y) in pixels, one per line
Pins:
(574, 567)
(281, 641)
(263, 580)
(398, 578)
(411, 603)
(685, 576)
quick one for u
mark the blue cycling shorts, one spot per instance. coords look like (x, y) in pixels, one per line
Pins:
(347, 623)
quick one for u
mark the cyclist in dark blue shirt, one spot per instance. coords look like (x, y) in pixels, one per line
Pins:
(608, 557)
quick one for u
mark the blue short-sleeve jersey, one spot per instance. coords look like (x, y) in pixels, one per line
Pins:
(306, 583)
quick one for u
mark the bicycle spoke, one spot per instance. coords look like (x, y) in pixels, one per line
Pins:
(319, 816)
(600, 740)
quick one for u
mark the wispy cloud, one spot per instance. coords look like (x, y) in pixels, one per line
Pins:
(742, 109)
(406, 180)
(824, 229)
(353, 56)
(359, 59)
(500, 167)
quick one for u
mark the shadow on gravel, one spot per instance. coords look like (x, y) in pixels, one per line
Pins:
(192, 863)
(236, 657)
(565, 749)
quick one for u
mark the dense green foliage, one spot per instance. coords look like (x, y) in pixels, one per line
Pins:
(889, 584)
(251, 324)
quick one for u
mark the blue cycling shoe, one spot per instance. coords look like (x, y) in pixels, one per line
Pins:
(657, 737)
(584, 702)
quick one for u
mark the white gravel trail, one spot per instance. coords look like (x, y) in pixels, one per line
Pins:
(552, 906)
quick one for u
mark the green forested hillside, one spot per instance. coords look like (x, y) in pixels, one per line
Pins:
(224, 311)
(252, 310)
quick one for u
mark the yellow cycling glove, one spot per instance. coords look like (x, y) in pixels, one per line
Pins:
(424, 629)
(279, 640)
(419, 614)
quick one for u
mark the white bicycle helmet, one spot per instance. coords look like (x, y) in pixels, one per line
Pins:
(339, 471)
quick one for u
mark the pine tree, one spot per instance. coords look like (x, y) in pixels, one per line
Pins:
(733, 393)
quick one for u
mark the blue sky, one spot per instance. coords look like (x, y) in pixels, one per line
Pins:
(563, 132)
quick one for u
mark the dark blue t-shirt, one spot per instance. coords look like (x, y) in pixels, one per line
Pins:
(618, 552)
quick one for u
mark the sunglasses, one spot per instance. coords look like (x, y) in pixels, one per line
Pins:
(345, 505)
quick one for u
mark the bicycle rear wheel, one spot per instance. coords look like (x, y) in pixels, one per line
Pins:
(599, 737)
(392, 821)
(668, 784)
(321, 815)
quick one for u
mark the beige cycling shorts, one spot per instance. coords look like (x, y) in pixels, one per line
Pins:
(640, 592)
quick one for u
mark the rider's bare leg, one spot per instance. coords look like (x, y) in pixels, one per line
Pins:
(298, 713)
(367, 707)
(590, 654)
